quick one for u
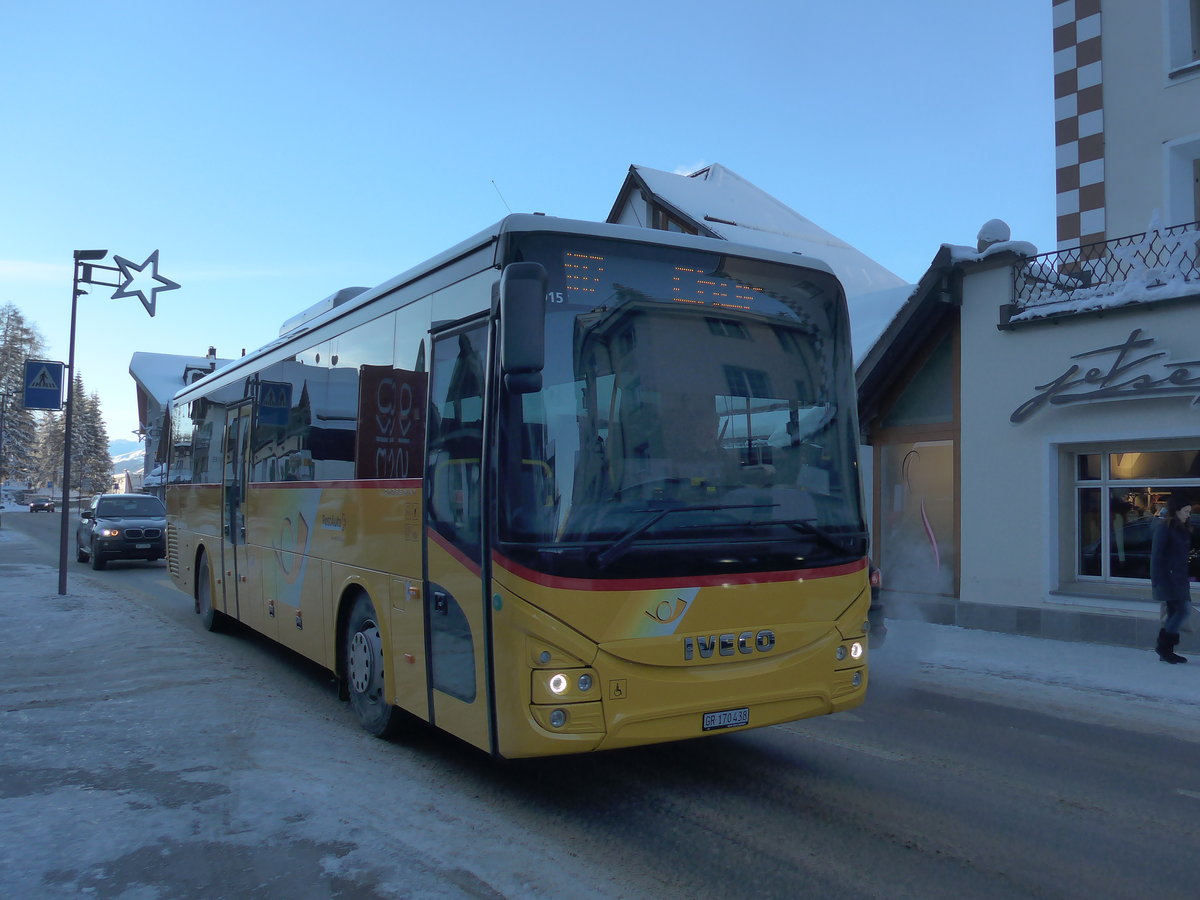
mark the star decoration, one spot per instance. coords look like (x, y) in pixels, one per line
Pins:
(132, 272)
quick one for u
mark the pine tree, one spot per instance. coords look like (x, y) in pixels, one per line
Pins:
(18, 342)
(96, 466)
(91, 466)
(47, 456)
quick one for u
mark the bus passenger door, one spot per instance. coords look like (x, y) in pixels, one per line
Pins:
(237, 578)
(456, 632)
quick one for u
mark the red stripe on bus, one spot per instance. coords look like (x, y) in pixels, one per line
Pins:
(364, 485)
(652, 584)
(460, 557)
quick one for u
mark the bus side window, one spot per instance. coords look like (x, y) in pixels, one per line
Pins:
(454, 462)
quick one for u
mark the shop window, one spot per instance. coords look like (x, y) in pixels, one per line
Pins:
(918, 541)
(1117, 499)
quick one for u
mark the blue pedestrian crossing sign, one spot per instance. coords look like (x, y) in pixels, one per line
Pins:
(43, 384)
(274, 403)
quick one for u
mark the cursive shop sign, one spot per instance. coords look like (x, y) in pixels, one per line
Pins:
(1126, 371)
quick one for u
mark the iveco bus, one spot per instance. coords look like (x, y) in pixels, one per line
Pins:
(565, 487)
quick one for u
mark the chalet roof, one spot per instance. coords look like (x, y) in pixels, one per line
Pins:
(159, 375)
(720, 203)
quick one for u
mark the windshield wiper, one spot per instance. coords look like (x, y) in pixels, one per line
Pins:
(807, 527)
(617, 550)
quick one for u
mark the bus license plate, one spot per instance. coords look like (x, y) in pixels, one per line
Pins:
(729, 718)
(141, 546)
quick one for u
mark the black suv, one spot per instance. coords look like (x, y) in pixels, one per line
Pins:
(121, 526)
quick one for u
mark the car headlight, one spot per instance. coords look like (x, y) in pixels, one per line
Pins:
(110, 532)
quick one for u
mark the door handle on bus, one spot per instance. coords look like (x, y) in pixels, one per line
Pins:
(441, 603)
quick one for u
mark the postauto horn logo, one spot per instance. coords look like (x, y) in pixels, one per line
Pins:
(747, 643)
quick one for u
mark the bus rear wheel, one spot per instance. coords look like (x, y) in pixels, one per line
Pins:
(363, 662)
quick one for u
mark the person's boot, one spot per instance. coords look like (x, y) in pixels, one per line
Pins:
(1166, 647)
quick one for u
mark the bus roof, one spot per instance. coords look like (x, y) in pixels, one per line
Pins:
(517, 223)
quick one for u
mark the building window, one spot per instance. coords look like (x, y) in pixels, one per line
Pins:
(1183, 37)
(750, 383)
(664, 221)
(1117, 497)
(1183, 179)
(730, 328)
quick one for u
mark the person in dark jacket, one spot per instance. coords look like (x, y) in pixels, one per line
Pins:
(1169, 550)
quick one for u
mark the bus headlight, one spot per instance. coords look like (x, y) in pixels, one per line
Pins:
(840, 652)
(558, 686)
(558, 718)
(856, 650)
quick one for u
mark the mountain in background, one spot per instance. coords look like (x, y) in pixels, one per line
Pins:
(126, 455)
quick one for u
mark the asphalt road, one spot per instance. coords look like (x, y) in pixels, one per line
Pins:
(121, 776)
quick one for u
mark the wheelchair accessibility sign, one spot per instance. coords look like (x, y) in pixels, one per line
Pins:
(43, 384)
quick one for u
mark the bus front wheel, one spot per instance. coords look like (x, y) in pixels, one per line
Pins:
(363, 662)
(210, 619)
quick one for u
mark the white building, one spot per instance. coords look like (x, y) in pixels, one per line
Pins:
(1029, 414)
(158, 376)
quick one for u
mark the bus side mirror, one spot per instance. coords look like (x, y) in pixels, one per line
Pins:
(522, 326)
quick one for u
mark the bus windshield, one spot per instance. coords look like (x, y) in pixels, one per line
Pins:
(692, 420)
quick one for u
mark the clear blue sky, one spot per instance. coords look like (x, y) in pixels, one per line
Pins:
(276, 152)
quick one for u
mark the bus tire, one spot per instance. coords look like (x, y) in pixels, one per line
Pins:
(210, 618)
(363, 670)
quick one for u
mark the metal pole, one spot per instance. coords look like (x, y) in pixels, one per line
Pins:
(66, 485)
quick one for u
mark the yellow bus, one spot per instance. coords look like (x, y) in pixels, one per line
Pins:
(566, 487)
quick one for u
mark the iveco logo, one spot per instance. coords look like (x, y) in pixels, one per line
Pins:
(729, 644)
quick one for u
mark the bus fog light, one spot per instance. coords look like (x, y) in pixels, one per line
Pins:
(856, 650)
(585, 682)
(558, 718)
(856, 681)
(558, 683)
(840, 653)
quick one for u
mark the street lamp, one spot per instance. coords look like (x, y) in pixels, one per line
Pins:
(82, 273)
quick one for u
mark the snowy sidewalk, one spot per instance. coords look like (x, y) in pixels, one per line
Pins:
(1090, 682)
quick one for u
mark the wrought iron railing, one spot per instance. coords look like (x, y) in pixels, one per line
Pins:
(1164, 261)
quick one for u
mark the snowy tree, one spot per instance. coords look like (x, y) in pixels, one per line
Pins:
(95, 465)
(91, 466)
(19, 341)
(47, 456)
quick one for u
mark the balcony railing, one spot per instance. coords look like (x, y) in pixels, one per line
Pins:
(1158, 264)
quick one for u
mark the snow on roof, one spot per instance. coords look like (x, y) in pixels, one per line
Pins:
(736, 210)
(162, 374)
(871, 314)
